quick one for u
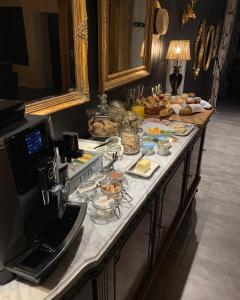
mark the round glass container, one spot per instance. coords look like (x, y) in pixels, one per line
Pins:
(104, 207)
(86, 190)
(116, 175)
(148, 147)
(116, 111)
(131, 119)
(111, 188)
(100, 124)
(130, 141)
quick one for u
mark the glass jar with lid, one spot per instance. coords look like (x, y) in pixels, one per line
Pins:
(116, 111)
(130, 141)
(131, 119)
(100, 124)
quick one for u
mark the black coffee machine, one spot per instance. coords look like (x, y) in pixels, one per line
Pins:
(37, 223)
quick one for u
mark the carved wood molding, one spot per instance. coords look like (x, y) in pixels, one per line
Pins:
(82, 30)
(81, 94)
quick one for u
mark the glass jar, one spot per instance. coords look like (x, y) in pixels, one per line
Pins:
(130, 141)
(131, 120)
(116, 111)
(104, 207)
(148, 147)
(100, 124)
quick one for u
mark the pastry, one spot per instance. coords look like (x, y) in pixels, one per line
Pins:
(186, 111)
(190, 101)
(166, 112)
(197, 100)
(105, 127)
(153, 105)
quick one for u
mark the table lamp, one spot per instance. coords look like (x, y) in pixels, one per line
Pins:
(177, 50)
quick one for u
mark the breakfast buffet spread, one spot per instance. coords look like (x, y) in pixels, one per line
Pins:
(122, 164)
(119, 131)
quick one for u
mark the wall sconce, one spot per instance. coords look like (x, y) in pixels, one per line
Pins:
(189, 13)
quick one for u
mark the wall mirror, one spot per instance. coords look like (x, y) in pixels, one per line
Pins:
(43, 53)
(209, 47)
(125, 39)
(199, 48)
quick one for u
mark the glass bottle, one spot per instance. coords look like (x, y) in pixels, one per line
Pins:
(138, 105)
(130, 97)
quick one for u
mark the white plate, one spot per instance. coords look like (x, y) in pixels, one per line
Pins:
(154, 167)
(149, 125)
(188, 127)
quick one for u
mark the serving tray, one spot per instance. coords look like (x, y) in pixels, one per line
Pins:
(148, 174)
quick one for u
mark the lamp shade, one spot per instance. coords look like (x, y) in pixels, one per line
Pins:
(179, 50)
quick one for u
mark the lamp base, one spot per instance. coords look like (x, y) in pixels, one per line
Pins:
(175, 79)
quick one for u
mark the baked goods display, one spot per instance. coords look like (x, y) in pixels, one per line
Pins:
(186, 111)
(100, 124)
(102, 127)
(166, 112)
(153, 104)
(195, 100)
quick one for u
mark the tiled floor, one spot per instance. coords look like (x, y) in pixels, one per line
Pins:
(203, 262)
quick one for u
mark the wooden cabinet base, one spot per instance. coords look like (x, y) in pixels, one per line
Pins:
(129, 267)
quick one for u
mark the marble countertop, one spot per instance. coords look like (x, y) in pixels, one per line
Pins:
(95, 239)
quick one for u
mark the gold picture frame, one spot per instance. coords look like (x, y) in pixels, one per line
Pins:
(209, 47)
(109, 81)
(81, 93)
(199, 48)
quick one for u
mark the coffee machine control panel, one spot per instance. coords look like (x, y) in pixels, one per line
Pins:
(29, 151)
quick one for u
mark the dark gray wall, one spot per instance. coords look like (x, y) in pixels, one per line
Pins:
(211, 10)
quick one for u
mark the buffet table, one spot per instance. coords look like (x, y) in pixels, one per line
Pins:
(112, 261)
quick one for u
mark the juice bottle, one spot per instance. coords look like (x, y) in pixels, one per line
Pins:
(138, 104)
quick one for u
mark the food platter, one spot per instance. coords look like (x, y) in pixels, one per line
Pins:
(181, 128)
(156, 130)
(174, 128)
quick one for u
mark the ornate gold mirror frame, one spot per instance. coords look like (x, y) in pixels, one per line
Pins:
(109, 81)
(81, 93)
(199, 47)
(209, 47)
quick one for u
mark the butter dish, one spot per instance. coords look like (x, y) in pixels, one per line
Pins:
(133, 171)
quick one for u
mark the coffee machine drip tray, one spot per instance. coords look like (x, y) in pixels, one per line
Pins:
(34, 264)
